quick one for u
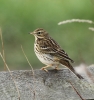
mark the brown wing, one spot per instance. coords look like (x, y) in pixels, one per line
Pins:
(50, 46)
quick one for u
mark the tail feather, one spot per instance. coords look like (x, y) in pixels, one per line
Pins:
(67, 64)
(79, 76)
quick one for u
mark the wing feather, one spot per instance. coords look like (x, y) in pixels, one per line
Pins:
(51, 47)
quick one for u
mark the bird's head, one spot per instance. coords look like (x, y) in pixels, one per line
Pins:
(39, 33)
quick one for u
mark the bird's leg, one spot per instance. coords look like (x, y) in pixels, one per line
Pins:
(45, 68)
(57, 67)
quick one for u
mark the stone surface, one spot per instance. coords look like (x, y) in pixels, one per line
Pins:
(54, 85)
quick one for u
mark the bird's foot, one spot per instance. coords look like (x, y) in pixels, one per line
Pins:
(56, 68)
(43, 68)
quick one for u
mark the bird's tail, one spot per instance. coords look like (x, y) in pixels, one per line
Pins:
(67, 64)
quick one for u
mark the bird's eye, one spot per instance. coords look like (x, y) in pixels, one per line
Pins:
(39, 33)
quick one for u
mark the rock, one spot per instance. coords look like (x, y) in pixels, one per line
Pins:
(54, 85)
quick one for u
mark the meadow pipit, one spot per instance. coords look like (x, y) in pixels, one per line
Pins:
(49, 52)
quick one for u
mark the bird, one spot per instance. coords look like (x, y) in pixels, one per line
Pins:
(50, 53)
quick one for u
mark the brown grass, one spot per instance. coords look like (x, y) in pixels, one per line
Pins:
(6, 66)
(91, 28)
(32, 72)
(3, 54)
(76, 90)
(76, 20)
(79, 21)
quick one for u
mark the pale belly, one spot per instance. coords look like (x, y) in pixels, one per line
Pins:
(46, 59)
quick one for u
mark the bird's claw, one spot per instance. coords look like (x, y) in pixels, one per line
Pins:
(44, 69)
(56, 68)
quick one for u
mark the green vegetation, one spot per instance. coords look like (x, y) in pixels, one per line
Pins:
(19, 17)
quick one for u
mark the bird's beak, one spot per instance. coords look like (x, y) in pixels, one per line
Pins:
(30, 32)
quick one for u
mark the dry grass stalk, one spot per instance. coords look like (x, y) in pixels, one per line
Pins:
(76, 91)
(27, 60)
(76, 20)
(91, 28)
(31, 69)
(2, 48)
(11, 75)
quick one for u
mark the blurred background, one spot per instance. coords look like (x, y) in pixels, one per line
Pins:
(19, 17)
